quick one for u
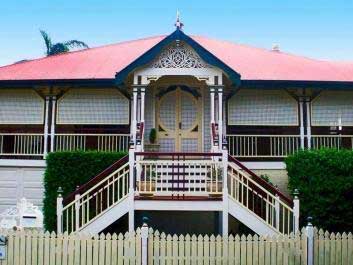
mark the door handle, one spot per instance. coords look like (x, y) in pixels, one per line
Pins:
(179, 125)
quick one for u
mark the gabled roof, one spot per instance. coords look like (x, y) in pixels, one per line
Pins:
(180, 36)
(251, 63)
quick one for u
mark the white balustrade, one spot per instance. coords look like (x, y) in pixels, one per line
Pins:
(94, 202)
(173, 177)
(100, 142)
(251, 195)
(263, 145)
(332, 141)
(22, 144)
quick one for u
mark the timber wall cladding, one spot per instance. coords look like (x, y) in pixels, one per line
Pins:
(35, 248)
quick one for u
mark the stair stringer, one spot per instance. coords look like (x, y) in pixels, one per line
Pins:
(107, 218)
(250, 219)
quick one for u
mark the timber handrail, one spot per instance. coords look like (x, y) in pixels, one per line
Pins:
(106, 172)
(177, 154)
(261, 181)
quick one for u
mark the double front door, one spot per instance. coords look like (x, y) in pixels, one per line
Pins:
(179, 121)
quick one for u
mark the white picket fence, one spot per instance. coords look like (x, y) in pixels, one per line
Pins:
(148, 247)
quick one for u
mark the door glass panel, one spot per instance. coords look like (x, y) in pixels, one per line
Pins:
(189, 145)
(188, 111)
(167, 145)
(167, 111)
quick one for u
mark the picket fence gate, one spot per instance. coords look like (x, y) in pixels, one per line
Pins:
(148, 247)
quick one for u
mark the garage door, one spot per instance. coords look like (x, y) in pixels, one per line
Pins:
(19, 182)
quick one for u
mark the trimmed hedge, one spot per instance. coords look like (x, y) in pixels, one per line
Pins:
(68, 170)
(324, 179)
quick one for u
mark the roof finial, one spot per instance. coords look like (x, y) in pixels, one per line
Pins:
(178, 23)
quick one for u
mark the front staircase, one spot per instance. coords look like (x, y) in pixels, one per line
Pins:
(103, 200)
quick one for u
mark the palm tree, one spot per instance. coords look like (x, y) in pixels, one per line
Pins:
(60, 47)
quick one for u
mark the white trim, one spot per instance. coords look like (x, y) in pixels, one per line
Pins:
(308, 123)
(22, 163)
(177, 205)
(52, 125)
(301, 120)
(202, 120)
(46, 120)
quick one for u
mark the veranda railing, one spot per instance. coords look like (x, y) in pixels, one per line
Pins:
(100, 142)
(22, 144)
(262, 145)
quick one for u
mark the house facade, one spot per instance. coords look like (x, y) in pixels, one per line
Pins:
(223, 114)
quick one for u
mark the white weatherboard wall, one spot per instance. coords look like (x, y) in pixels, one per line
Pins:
(20, 179)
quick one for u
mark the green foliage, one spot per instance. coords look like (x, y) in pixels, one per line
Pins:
(69, 170)
(324, 179)
(60, 47)
(266, 178)
(153, 136)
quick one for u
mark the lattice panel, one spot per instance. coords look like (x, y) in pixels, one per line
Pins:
(167, 112)
(330, 106)
(21, 107)
(188, 111)
(262, 107)
(93, 106)
(178, 56)
(166, 145)
(189, 145)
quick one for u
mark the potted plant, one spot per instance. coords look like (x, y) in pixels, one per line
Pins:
(152, 146)
(153, 136)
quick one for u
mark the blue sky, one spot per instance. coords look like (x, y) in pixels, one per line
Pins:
(315, 28)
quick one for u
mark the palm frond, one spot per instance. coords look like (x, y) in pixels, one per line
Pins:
(47, 41)
(76, 43)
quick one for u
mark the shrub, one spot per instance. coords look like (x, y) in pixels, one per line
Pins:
(153, 136)
(68, 170)
(324, 179)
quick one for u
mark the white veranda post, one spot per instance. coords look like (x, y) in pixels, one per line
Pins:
(212, 104)
(134, 115)
(142, 117)
(220, 115)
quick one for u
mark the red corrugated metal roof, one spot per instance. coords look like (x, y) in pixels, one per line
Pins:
(252, 63)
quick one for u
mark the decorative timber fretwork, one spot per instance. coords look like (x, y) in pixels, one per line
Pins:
(179, 55)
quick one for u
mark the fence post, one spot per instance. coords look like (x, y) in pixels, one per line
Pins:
(132, 179)
(144, 244)
(296, 207)
(77, 211)
(225, 229)
(310, 236)
(59, 211)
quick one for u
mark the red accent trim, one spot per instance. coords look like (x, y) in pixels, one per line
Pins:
(176, 154)
(180, 198)
(261, 182)
(85, 187)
